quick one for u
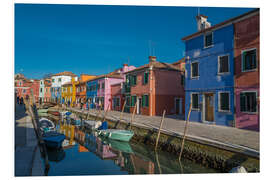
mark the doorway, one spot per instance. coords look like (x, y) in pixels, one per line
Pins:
(139, 103)
(208, 108)
(178, 106)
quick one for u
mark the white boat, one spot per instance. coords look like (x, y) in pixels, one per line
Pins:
(46, 125)
(91, 124)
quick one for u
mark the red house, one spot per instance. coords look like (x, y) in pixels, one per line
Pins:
(247, 71)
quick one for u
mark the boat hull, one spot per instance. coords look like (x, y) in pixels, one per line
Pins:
(119, 135)
(54, 141)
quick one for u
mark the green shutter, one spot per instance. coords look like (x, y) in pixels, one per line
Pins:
(143, 101)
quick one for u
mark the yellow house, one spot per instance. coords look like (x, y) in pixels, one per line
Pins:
(69, 92)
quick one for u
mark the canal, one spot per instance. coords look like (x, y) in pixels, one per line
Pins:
(85, 153)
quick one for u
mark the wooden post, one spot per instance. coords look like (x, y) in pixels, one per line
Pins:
(185, 131)
(160, 172)
(135, 107)
(106, 113)
(161, 122)
(122, 110)
(99, 112)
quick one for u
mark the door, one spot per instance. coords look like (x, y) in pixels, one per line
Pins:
(209, 107)
(178, 106)
(139, 102)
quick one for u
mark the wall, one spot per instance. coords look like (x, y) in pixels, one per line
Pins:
(209, 80)
(247, 33)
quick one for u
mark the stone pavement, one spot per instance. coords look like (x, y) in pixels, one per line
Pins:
(247, 141)
(28, 160)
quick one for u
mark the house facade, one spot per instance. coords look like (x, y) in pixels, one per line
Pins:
(35, 89)
(80, 87)
(99, 89)
(47, 93)
(117, 102)
(57, 81)
(247, 71)
(154, 87)
(22, 86)
(41, 90)
(209, 82)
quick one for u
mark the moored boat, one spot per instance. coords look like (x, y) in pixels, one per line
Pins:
(42, 110)
(91, 124)
(117, 134)
(53, 139)
(46, 125)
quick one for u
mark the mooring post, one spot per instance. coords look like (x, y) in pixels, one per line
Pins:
(160, 126)
(135, 107)
(122, 111)
(185, 131)
(106, 113)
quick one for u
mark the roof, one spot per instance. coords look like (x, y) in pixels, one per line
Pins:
(219, 25)
(65, 73)
(156, 65)
(109, 75)
(67, 84)
(179, 61)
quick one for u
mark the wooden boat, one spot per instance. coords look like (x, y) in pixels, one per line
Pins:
(91, 124)
(117, 134)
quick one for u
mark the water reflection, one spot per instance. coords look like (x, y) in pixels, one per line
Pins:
(85, 153)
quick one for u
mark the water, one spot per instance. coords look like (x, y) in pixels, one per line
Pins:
(88, 154)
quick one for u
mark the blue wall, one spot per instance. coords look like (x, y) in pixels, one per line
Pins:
(91, 94)
(209, 80)
(57, 94)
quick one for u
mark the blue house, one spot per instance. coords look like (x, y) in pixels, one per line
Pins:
(91, 93)
(209, 88)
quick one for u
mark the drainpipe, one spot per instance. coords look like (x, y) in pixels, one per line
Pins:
(151, 90)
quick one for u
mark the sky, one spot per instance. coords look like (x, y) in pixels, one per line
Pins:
(96, 39)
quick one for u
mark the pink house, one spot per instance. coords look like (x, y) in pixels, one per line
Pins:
(99, 89)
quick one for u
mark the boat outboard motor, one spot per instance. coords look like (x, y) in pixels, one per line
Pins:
(103, 126)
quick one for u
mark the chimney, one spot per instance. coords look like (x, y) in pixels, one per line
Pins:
(202, 22)
(152, 58)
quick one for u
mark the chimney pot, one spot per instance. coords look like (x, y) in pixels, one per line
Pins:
(152, 58)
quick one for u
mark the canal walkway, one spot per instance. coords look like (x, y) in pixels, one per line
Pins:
(220, 136)
(28, 160)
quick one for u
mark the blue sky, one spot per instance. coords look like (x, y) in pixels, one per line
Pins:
(96, 39)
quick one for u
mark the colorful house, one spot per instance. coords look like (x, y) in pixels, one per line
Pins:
(22, 86)
(155, 87)
(41, 90)
(117, 97)
(35, 89)
(247, 70)
(98, 90)
(209, 85)
(47, 93)
(57, 81)
(81, 88)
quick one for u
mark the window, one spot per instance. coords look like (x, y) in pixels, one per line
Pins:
(41, 90)
(208, 40)
(145, 78)
(52, 80)
(224, 101)
(103, 85)
(98, 86)
(70, 89)
(116, 102)
(133, 80)
(248, 102)
(40, 82)
(195, 101)
(145, 101)
(59, 79)
(223, 64)
(133, 100)
(249, 60)
(194, 69)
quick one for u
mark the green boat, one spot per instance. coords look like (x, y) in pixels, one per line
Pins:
(120, 146)
(117, 134)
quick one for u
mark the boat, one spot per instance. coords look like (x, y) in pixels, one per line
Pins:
(42, 110)
(117, 134)
(55, 113)
(76, 122)
(91, 124)
(53, 139)
(46, 125)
